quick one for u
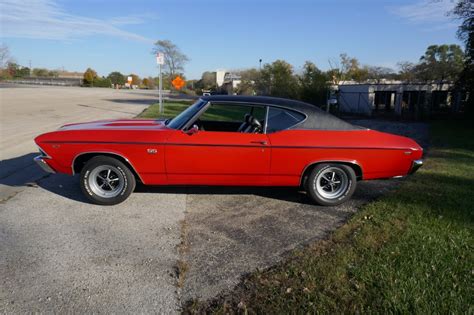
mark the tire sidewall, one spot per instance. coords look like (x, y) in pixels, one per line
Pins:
(352, 182)
(129, 180)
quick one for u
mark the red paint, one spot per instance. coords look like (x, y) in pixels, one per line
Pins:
(225, 158)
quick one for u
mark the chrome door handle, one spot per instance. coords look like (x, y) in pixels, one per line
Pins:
(259, 142)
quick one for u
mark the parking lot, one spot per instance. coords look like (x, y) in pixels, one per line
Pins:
(160, 248)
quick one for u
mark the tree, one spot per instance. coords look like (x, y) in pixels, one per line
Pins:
(347, 68)
(89, 76)
(53, 73)
(102, 82)
(135, 79)
(148, 83)
(277, 79)
(248, 81)
(116, 78)
(441, 63)
(407, 71)
(12, 69)
(378, 73)
(313, 84)
(208, 80)
(40, 72)
(5, 57)
(464, 10)
(23, 72)
(174, 58)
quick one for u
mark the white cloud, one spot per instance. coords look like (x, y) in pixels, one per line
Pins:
(44, 19)
(427, 12)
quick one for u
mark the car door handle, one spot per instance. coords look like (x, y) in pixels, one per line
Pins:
(260, 142)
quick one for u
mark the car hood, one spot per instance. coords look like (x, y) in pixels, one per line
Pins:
(117, 124)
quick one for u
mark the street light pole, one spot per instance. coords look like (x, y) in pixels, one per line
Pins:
(260, 64)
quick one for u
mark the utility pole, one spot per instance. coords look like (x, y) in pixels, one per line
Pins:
(30, 67)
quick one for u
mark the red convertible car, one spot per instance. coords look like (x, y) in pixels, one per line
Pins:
(228, 140)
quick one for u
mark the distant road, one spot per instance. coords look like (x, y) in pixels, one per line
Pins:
(27, 111)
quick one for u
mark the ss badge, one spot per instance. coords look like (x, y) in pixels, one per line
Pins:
(151, 151)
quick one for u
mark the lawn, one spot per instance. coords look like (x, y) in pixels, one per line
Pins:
(171, 109)
(411, 251)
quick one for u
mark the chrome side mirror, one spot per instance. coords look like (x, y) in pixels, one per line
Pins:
(194, 129)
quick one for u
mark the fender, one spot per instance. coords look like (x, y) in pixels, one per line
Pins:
(109, 153)
(353, 162)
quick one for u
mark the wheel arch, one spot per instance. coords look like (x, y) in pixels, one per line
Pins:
(353, 164)
(81, 159)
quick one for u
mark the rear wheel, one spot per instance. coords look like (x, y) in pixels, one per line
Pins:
(106, 181)
(331, 184)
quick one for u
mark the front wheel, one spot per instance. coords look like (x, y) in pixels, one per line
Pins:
(106, 181)
(331, 184)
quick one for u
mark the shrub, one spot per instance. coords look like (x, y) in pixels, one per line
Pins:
(102, 82)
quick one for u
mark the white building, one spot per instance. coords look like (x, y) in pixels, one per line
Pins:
(220, 74)
(392, 97)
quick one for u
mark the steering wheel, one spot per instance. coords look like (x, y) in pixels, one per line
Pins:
(256, 124)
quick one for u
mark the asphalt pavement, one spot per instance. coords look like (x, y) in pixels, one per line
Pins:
(160, 248)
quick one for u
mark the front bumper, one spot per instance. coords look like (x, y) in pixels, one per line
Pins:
(415, 166)
(41, 161)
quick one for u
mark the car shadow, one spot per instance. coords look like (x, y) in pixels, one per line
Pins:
(23, 172)
(289, 194)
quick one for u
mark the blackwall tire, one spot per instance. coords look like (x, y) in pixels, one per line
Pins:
(106, 181)
(331, 184)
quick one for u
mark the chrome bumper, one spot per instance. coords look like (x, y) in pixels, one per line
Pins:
(41, 161)
(415, 166)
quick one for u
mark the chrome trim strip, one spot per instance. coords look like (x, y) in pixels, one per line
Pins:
(267, 109)
(40, 160)
(224, 145)
(105, 152)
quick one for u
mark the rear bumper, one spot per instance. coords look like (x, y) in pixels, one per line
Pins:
(41, 161)
(415, 166)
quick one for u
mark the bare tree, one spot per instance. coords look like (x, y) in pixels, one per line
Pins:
(5, 57)
(174, 58)
(407, 71)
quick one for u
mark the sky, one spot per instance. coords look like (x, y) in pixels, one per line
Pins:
(119, 35)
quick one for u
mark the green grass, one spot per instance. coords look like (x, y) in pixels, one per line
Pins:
(409, 252)
(171, 109)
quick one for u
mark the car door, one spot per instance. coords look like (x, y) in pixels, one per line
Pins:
(221, 156)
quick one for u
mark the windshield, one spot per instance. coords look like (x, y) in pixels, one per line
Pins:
(179, 121)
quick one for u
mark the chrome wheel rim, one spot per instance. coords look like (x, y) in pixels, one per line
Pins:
(106, 181)
(331, 183)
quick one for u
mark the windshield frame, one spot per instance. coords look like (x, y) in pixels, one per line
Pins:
(179, 121)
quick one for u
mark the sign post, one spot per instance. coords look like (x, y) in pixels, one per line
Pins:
(160, 60)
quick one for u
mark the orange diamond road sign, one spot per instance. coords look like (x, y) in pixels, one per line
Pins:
(178, 83)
